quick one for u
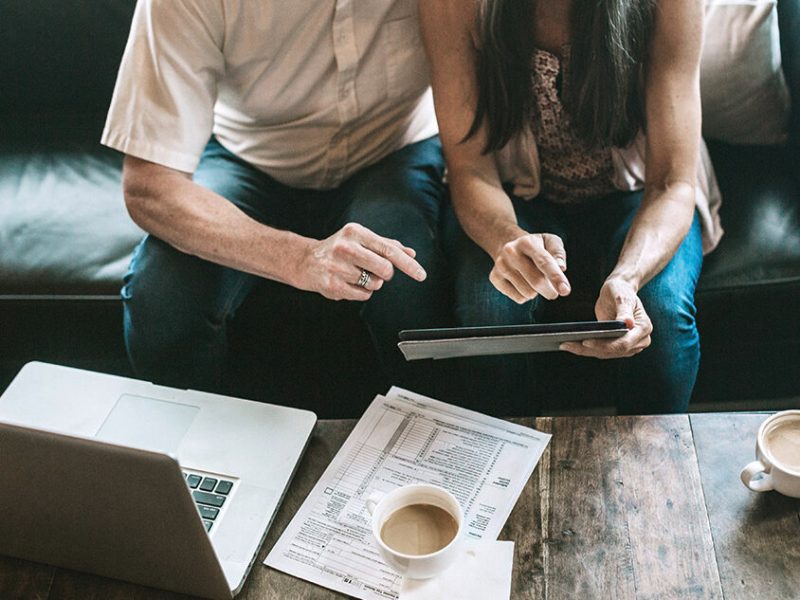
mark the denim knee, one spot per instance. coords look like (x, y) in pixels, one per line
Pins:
(402, 221)
(477, 301)
(175, 308)
(661, 378)
(670, 305)
(483, 304)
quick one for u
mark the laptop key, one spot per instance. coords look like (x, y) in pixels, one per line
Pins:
(208, 512)
(208, 525)
(193, 480)
(223, 487)
(208, 484)
(210, 499)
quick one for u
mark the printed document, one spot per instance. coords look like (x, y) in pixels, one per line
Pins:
(404, 438)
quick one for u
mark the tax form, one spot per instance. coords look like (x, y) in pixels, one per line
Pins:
(404, 438)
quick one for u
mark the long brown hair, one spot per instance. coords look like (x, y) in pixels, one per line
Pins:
(605, 99)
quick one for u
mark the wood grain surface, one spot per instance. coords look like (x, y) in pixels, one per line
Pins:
(618, 507)
(626, 512)
(525, 527)
(756, 535)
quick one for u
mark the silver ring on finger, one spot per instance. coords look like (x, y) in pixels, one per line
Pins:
(363, 280)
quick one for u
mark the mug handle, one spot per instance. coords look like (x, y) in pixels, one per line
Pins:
(758, 485)
(372, 501)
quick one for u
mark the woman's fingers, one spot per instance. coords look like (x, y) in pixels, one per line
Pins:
(618, 299)
(524, 289)
(506, 287)
(606, 349)
(528, 265)
(555, 246)
(545, 256)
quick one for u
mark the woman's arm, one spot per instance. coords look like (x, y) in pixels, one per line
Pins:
(673, 139)
(672, 103)
(525, 264)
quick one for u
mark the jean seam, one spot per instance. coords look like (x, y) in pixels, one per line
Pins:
(227, 310)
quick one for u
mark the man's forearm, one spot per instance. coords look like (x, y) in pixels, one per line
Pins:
(197, 221)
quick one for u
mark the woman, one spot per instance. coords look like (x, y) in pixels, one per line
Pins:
(571, 131)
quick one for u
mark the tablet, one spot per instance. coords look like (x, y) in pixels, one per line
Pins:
(456, 342)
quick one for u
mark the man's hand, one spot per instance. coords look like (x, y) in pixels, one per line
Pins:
(332, 267)
(530, 265)
(617, 301)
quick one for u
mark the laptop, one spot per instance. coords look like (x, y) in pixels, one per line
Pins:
(169, 488)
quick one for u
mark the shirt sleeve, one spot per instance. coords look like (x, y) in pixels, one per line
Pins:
(162, 109)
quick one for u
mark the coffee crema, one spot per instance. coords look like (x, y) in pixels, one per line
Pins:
(783, 443)
(419, 529)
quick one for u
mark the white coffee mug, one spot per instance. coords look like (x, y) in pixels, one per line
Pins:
(415, 566)
(775, 474)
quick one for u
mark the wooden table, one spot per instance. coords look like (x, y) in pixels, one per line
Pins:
(618, 507)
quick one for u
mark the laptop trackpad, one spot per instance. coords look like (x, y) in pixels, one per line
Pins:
(147, 423)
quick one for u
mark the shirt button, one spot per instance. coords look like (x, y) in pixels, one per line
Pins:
(346, 90)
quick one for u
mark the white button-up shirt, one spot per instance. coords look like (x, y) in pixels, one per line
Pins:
(307, 91)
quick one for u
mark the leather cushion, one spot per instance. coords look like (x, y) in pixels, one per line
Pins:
(761, 216)
(64, 228)
(63, 224)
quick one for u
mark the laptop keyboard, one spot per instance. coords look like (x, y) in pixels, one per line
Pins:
(209, 494)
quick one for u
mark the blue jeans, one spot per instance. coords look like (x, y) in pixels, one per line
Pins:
(177, 307)
(660, 379)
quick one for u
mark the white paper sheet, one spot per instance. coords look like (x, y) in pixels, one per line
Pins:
(404, 438)
(482, 572)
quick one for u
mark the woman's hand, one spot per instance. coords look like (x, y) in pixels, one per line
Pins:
(617, 301)
(530, 265)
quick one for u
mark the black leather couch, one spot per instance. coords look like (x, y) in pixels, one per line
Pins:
(65, 238)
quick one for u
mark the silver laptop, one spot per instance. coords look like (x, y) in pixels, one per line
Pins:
(169, 488)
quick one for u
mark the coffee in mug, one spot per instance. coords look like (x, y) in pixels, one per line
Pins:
(777, 464)
(419, 529)
(783, 443)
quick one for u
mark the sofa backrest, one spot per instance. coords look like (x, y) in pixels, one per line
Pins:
(61, 55)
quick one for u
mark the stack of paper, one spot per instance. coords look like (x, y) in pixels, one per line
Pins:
(404, 438)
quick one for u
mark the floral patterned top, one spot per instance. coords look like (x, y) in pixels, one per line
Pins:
(571, 169)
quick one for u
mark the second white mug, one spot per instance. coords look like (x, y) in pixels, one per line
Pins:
(777, 456)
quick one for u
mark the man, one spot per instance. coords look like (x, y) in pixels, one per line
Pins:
(293, 141)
